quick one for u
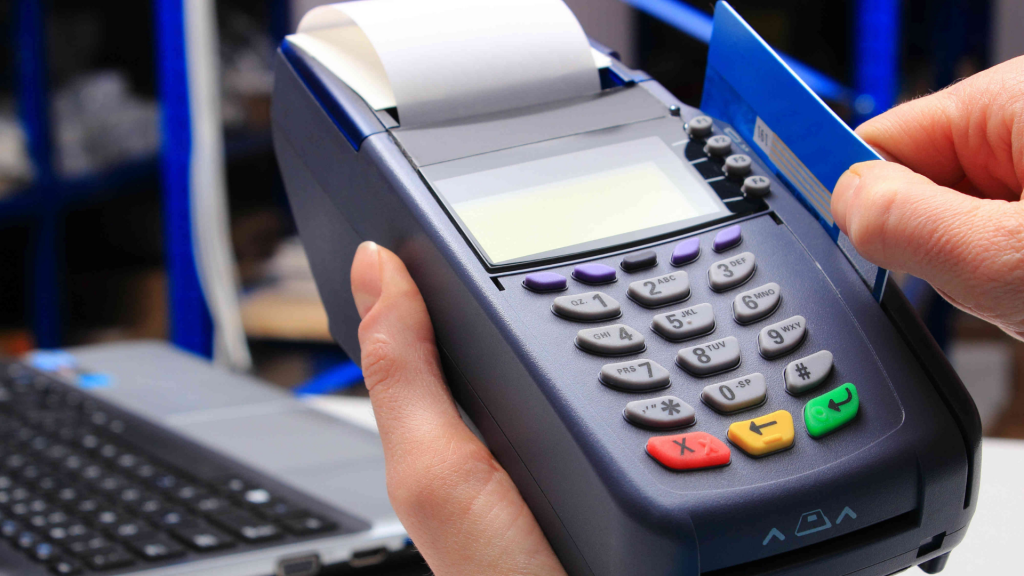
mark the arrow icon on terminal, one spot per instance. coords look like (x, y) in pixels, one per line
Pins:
(757, 429)
(832, 404)
(846, 512)
(773, 534)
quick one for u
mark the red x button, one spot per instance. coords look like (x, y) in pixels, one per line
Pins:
(689, 451)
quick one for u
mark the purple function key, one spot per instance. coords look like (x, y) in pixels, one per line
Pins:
(594, 273)
(545, 282)
(727, 238)
(686, 251)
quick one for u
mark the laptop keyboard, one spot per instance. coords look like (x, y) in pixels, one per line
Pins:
(82, 490)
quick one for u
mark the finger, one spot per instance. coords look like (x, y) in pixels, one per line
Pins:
(970, 249)
(969, 136)
(460, 507)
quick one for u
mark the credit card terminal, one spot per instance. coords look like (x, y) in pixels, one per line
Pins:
(677, 365)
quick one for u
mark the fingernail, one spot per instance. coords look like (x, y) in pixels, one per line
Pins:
(841, 196)
(847, 183)
(366, 279)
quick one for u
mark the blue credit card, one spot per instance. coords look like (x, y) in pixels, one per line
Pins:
(800, 138)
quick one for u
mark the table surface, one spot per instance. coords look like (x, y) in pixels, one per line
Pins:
(989, 549)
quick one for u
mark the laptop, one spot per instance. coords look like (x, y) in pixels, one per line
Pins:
(138, 458)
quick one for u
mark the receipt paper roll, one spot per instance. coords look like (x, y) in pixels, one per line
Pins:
(444, 60)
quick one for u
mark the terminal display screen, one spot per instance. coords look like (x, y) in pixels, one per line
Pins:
(535, 209)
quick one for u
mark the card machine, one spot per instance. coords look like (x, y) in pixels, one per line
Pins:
(676, 363)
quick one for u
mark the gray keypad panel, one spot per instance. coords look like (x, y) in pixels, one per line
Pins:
(587, 307)
(808, 373)
(756, 304)
(635, 376)
(736, 394)
(782, 337)
(661, 412)
(710, 357)
(679, 325)
(573, 373)
(731, 272)
(653, 292)
(614, 340)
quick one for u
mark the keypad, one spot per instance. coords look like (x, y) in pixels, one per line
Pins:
(594, 273)
(808, 373)
(728, 237)
(699, 126)
(660, 412)
(719, 145)
(635, 376)
(711, 357)
(756, 186)
(639, 261)
(753, 305)
(686, 251)
(614, 340)
(736, 394)
(662, 290)
(764, 435)
(782, 337)
(686, 323)
(830, 412)
(659, 396)
(691, 451)
(731, 272)
(545, 282)
(737, 166)
(587, 307)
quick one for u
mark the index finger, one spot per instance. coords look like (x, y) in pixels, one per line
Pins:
(969, 135)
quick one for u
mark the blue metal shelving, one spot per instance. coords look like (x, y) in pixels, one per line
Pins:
(44, 204)
(190, 322)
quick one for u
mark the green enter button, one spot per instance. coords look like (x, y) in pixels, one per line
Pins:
(830, 412)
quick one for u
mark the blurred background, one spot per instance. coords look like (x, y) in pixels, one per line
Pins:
(95, 238)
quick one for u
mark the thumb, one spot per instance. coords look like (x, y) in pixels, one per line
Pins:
(971, 250)
(458, 504)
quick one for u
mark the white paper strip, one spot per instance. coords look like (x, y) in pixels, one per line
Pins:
(441, 60)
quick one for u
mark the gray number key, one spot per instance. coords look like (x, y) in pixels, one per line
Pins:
(808, 373)
(614, 340)
(736, 394)
(711, 357)
(662, 290)
(686, 323)
(756, 304)
(635, 376)
(782, 337)
(731, 272)
(660, 412)
(587, 307)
